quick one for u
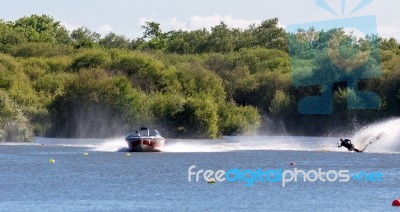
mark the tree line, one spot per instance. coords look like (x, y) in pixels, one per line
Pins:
(199, 83)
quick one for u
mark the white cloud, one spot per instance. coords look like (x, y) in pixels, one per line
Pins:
(70, 27)
(200, 22)
(197, 22)
(143, 20)
(388, 32)
(105, 29)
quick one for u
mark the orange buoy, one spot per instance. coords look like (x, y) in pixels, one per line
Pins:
(396, 202)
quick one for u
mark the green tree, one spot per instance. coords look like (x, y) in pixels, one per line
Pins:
(198, 118)
(389, 44)
(41, 28)
(41, 50)
(269, 35)
(93, 58)
(245, 38)
(280, 104)
(114, 41)
(153, 33)
(144, 71)
(238, 120)
(184, 42)
(221, 39)
(84, 38)
(96, 104)
(9, 37)
(14, 126)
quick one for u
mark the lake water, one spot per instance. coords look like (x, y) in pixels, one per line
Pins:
(109, 180)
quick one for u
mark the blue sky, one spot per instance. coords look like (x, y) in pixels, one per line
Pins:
(125, 17)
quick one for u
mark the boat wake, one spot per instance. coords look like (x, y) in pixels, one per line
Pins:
(231, 143)
(382, 137)
(238, 143)
(191, 145)
(112, 145)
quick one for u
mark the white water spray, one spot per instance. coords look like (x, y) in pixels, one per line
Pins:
(380, 137)
(112, 145)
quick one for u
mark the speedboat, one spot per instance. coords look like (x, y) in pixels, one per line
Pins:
(145, 140)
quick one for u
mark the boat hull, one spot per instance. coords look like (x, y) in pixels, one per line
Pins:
(145, 144)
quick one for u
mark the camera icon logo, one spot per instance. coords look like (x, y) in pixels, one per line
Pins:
(335, 51)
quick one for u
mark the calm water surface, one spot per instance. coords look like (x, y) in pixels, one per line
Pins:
(108, 180)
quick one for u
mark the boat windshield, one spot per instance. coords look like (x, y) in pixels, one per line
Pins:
(152, 132)
(133, 133)
(155, 133)
(144, 132)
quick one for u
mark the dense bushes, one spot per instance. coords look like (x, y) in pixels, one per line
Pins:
(98, 93)
(41, 50)
(188, 84)
(238, 120)
(95, 104)
(14, 126)
(91, 59)
(197, 117)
